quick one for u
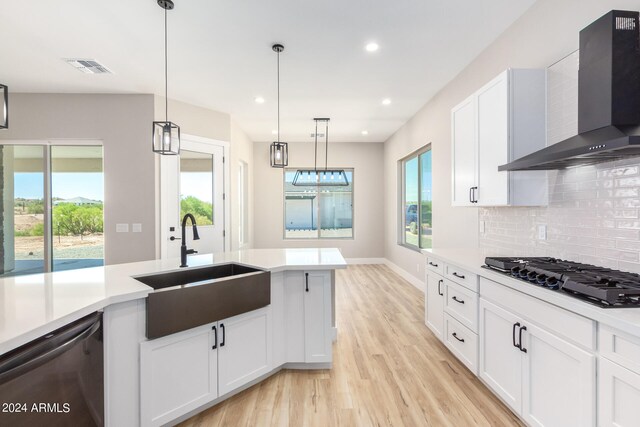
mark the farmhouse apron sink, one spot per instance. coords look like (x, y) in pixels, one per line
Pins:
(187, 298)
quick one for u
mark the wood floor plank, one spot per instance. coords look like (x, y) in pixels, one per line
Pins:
(388, 370)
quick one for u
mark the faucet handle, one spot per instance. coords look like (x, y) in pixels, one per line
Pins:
(191, 251)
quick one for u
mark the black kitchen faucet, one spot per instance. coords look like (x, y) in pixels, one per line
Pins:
(183, 247)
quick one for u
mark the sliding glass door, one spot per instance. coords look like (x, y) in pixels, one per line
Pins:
(51, 208)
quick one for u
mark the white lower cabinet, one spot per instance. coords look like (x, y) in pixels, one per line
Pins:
(618, 395)
(545, 379)
(434, 303)
(244, 351)
(307, 317)
(183, 371)
(178, 374)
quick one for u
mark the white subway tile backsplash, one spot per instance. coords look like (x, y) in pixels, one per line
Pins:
(593, 214)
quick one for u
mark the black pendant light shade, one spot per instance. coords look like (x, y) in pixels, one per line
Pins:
(279, 151)
(279, 154)
(4, 114)
(166, 134)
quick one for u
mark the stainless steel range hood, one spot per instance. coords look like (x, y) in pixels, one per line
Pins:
(608, 98)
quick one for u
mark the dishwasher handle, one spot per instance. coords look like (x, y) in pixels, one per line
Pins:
(25, 361)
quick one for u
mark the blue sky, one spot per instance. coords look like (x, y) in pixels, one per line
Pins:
(63, 185)
(196, 184)
(411, 177)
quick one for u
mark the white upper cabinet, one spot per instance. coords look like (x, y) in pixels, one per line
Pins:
(502, 121)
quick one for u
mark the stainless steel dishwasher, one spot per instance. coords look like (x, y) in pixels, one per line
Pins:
(55, 380)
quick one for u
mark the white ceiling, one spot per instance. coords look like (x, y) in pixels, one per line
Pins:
(221, 58)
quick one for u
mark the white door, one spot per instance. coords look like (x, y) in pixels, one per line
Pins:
(463, 140)
(244, 351)
(493, 141)
(178, 373)
(558, 381)
(317, 317)
(194, 182)
(434, 304)
(618, 395)
(500, 360)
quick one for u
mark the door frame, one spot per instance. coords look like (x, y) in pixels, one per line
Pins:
(162, 192)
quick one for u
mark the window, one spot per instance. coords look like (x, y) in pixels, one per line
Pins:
(416, 205)
(317, 212)
(68, 182)
(196, 186)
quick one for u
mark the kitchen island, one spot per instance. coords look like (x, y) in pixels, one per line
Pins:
(295, 330)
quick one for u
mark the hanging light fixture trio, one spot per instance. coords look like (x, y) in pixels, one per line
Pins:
(166, 135)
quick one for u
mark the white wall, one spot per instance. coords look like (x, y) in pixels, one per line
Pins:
(544, 34)
(268, 203)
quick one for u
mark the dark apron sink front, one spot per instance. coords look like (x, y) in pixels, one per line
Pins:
(184, 299)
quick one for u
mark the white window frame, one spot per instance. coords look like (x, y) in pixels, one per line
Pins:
(401, 197)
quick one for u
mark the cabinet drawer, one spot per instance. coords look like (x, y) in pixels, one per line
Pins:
(462, 342)
(620, 347)
(572, 326)
(462, 304)
(435, 265)
(463, 277)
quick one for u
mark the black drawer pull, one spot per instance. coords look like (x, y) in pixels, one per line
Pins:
(513, 335)
(440, 282)
(215, 338)
(306, 279)
(457, 300)
(522, 349)
(435, 265)
(460, 276)
(456, 337)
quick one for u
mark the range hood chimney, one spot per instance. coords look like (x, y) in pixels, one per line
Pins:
(608, 98)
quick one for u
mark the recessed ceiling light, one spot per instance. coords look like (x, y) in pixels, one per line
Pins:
(386, 101)
(371, 47)
(259, 100)
(365, 132)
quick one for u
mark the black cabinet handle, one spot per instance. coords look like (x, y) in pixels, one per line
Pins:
(456, 337)
(460, 276)
(215, 338)
(475, 198)
(471, 194)
(513, 334)
(460, 301)
(522, 349)
(224, 335)
(435, 265)
(440, 282)
(306, 278)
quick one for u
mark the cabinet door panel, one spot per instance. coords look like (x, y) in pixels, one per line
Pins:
(618, 395)
(294, 291)
(493, 141)
(500, 362)
(434, 304)
(463, 141)
(558, 381)
(177, 374)
(317, 317)
(244, 349)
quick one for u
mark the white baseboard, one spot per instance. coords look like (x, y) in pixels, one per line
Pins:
(365, 260)
(419, 284)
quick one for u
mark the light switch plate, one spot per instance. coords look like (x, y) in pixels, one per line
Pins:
(136, 227)
(542, 232)
(122, 228)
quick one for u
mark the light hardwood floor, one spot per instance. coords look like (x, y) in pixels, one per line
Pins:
(388, 370)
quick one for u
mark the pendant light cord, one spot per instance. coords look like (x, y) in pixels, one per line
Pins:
(315, 150)
(166, 85)
(278, 95)
(326, 144)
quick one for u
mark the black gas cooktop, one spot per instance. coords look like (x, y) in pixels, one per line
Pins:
(601, 286)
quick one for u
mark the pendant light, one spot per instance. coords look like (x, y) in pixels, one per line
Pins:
(166, 135)
(321, 177)
(4, 117)
(279, 151)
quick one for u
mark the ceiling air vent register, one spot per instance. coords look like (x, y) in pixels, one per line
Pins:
(88, 66)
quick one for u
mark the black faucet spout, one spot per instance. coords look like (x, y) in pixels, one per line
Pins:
(184, 251)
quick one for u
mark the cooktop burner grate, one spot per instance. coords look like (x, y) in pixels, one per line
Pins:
(602, 286)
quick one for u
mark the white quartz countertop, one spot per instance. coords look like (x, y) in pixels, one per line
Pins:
(34, 305)
(625, 319)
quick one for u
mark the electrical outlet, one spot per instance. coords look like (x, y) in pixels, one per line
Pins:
(136, 227)
(482, 227)
(122, 228)
(542, 232)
